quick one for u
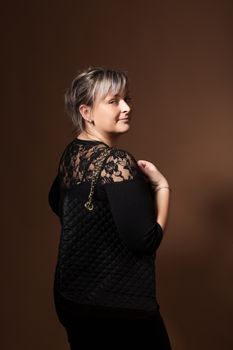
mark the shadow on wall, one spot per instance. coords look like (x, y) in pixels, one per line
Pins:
(214, 283)
(195, 275)
(217, 211)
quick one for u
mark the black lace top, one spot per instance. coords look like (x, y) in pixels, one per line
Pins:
(106, 256)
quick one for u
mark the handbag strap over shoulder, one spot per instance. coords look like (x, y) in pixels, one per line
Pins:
(96, 172)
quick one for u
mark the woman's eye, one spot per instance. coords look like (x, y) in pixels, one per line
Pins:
(127, 99)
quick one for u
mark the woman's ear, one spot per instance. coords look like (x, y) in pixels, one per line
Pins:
(85, 112)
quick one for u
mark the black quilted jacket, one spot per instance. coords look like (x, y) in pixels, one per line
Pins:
(106, 257)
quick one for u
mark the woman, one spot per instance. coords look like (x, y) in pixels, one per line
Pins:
(113, 211)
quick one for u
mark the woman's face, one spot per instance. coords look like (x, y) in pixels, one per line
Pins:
(111, 114)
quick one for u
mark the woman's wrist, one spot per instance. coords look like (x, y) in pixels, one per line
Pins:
(161, 186)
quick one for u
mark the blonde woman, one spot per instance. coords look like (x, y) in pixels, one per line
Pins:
(113, 212)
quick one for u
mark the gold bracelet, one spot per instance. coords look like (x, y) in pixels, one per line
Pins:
(159, 188)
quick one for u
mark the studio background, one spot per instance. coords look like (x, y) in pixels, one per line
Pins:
(178, 55)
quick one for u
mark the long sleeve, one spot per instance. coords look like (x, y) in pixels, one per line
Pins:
(132, 205)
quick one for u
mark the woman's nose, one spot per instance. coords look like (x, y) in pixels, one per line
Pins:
(124, 106)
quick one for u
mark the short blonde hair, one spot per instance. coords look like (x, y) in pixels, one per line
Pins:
(89, 85)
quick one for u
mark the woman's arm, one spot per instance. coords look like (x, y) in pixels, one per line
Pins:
(161, 188)
(162, 197)
(132, 203)
(133, 210)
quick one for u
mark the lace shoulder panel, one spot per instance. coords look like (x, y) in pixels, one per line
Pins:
(120, 165)
(78, 163)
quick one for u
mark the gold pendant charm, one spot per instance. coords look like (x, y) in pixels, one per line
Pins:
(89, 205)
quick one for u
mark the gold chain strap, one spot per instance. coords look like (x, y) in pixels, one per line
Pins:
(89, 204)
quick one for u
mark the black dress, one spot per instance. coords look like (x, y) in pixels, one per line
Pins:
(104, 285)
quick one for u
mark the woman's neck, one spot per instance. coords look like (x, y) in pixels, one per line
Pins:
(110, 141)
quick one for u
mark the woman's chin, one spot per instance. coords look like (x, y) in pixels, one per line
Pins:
(125, 128)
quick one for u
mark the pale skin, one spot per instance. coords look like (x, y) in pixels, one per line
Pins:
(111, 117)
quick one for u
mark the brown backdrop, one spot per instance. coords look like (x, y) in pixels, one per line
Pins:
(179, 58)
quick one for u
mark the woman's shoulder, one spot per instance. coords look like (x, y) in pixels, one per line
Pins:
(82, 149)
(122, 153)
(121, 165)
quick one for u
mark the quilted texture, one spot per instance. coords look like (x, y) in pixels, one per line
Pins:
(95, 266)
